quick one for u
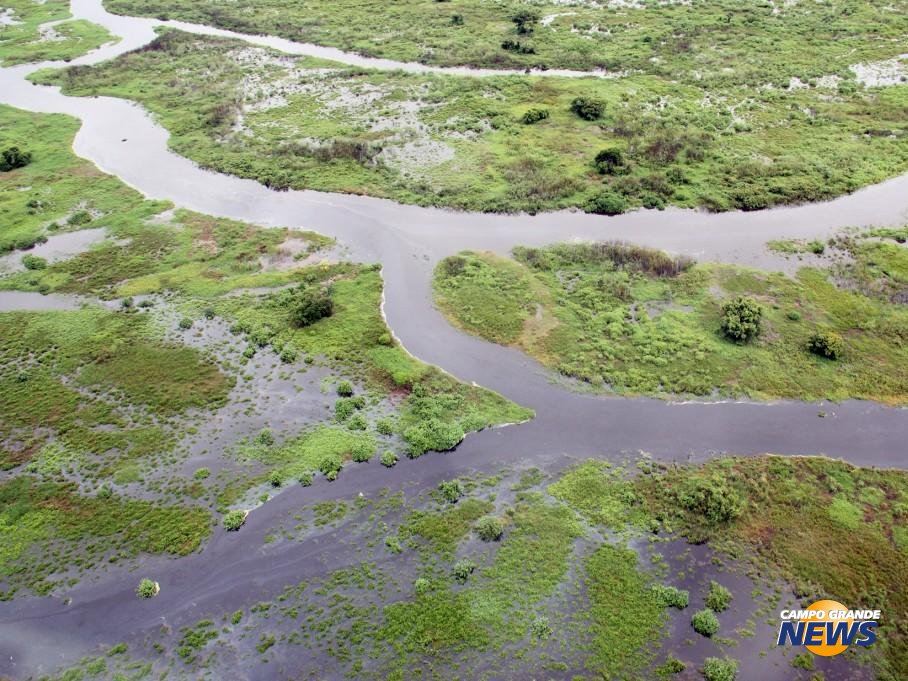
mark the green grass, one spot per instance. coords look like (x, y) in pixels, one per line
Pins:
(21, 42)
(628, 331)
(721, 142)
(38, 199)
(716, 40)
(48, 528)
(797, 515)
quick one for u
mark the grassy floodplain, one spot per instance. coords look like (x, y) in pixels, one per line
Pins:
(23, 39)
(100, 404)
(636, 321)
(706, 39)
(721, 142)
(426, 595)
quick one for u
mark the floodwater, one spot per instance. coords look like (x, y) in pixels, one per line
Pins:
(119, 136)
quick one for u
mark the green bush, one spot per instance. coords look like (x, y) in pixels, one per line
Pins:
(234, 520)
(540, 627)
(305, 479)
(288, 355)
(147, 589)
(276, 479)
(463, 569)
(344, 408)
(670, 596)
(588, 109)
(826, 344)
(362, 452)
(524, 20)
(531, 116)
(388, 458)
(357, 422)
(13, 158)
(185, 323)
(451, 490)
(33, 262)
(310, 305)
(711, 499)
(718, 669)
(201, 473)
(330, 466)
(265, 437)
(718, 598)
(705, 622)
(741, 319)
(489, 528)
(422, 586)
(608, 161)
(432, 435)
(345, 389)
(607, 203)
(384, 426)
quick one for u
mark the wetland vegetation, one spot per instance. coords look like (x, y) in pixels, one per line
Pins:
(605, 145)
(636, 321)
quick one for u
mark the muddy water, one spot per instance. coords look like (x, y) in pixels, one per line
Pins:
(119, 136)
(57, 247)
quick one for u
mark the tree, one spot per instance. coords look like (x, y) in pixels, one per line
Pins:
(588, 109)
(827, 344)
(607, 161)
(310, 305)
(741, 319)
(711, 499)
(13, 158)
(524, 19)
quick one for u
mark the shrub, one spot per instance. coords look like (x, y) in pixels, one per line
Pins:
(463, 569)
(81, 217)
(234, 520)
(276, 479)
(384, 426)
(534, 116)
(741, 319)
(718, 669)
(816, 247)
(330, 466)
(489, 528)
(705, 622)
(827, 344)
(451, 490)
(357, 422)
(608, 161)
(711, 499)
(432, 435)
(311, 305)
(517, 46)
(147, 589)
(33, 262)
(345, 389)
(670, 596)
(288, 355)
(607, 203)
(422, 586)
(453, 265)
(265, 437)
(671, 666)
(185, 323)
(361, 452)
(305, 479)
(344, 408)
(540, 627)
(392, 543)
(388, 458)
(718, 598)
(457, 20)
(13, 158)
(524, 20)
(201, 474)
(588, 109)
